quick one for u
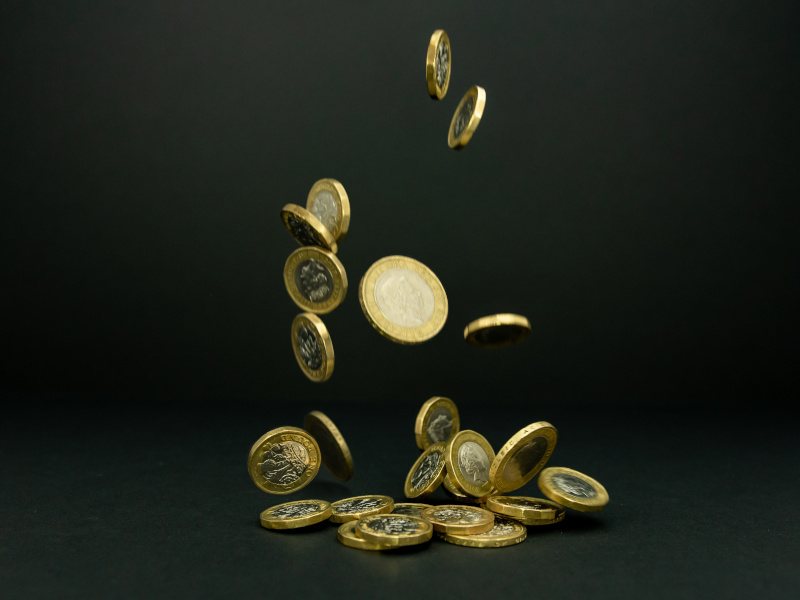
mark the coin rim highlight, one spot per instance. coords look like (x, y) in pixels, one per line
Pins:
(434, 91)
(342, 204)
(521, 324)
(304, 215)
(474, 120)
(436, 481)
(338, 274)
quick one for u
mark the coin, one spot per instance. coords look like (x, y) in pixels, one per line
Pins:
(573, 489)
(307, 229)
(315, 279)
(451, 487)
(335, 452)
(523, 456)
(503, 329)
(394, 530)
(298, 513)
(437, 421)
(505, 532)
(456, 518)
(438, 64)
(469, 457)
(427, 472)
(356, 507)
(348, 536)
(312, 347)
(403, 300)
(283, 460)
(532, 511)
(328, 201)
(466, 117)
(409, 508)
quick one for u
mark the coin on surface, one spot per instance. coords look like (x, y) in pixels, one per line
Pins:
(573, 489)
(327, 200)
(312, 347)
(394, 531)
(413, 509)
(307, 229)
(403, 300)
(531, 511)
(469, 457)
(283, 460)
(350, 509)
(427, 472)
(347, 535)
(335, 452)
(503, 329)
(437, 421)
(456, 493)
(523, 456)
(315, 279)
(298, 513)
(467, 117)
(505, 532)
(456, 518)
(438, 64)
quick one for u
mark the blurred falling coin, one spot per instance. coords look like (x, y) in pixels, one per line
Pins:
(307, 229)
(335, 452)
(438, 64)
(283, 460)
(312, 346)
(505, 532)
(466, 117)
(427, 472)
(456, 518)
(573, 489)
(504, 329)
(298, 513)
(437, 421)
(523, 456)
(351, 509)
(315, 279)
(328, 201)
(394, 531)
(469, 456)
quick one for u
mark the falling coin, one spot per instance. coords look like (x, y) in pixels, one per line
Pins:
(413, 509)
(427, 472)
(298, 513)
(315, 279)
(469, 456)
(530, 511)
(283, 460)
(456, 518)
(438, 64)
(347, 535)
(327, 200)
(504, 329)
(394, 531)
(573, 489)
(505, 532)
(312, 347)
(523, 456)
(335, 452)
(466, 117)
(437, 421)
(349, 509)
(307, 229)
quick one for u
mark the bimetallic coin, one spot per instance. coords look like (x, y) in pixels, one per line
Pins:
(307, 229)
(403, 300)
(469, 457)
(504, 533)
(354, 508)
(394, 530)
(455, 492)
(335, 452)
(327, 200)
(312, 347)
(437, 421)
(315, 279)
(523, 456)
(413, 509)
(438, 64)
(347, 535)
(283, 460)
(498, 330)
(524, 508)
(467, 117)
(456, 518)
(573, 489)
(299, 513)
(427, 472)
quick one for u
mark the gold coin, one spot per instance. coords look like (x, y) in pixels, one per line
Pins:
(315, 279)
(505, 532)
(349, 509)
(335, 452)
(502, 329)
(413, 509)
(437, 421)
(523, 456)
(573, 489)
(307, 229)
(525, 508)
(469, 457)
(394, 531)
(347, 535)
(298, 513)
(456, 518)
(532, 522)
(283, 460)
(403, 300)
(312, 347)
(427, 472)
(466, 117)
(327, 200)
(438, 64)
(451, 487)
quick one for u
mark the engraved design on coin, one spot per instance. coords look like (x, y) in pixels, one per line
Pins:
(291, 511)
(404, 297)
(392, 525)
(474, 463)
(525, 502)
(284, 463)
(456, 515)
(358, 505)
(308, 344)
(303, 232)
(463, 116)
(440, 425)
(412, 511)
(442, 62)
(501, 527)
(426, 471)
(326, 209)
(573, 485)
(526, 458)
(314, 280)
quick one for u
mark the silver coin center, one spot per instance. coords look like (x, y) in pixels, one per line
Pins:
(284, 463)
(440, 425)
(325, 207)
(404, 298)
(574, 486)
(295, 510)
(314, 280)
(474, 463)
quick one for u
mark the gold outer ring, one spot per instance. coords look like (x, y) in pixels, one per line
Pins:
(517, 442)
(324, 372)
(340, 517)
(376, 318)
(556, 494)
(507, 327)
(453, 466)
(559, 516)
(426, 411)
(423, 533)
(505, 505)
(323, 237)
(342, 204)
(277, 436)
(479, 94)
(346, 534)
(335, 268)
(517, 535)
(320, 426)
(434, 483)
(484, 524)
(410, 508)
(434, 90)
(322, 514)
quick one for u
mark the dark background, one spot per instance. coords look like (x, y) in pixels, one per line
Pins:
(630, 189)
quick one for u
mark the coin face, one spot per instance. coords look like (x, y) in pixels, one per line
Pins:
(299, 513)
(357, 507)
(307, 229)
(347, 535)
(427, 472)
(312, 346)
(505, 532)
(328, 201)
(466, 117)
(503, 329)
(532, 511)
(315, 279)
(573, 489)
(438, 64)
(523, 456)
(283, 460)
(437, 421)
(413, 509)
(456, 518)
(403, 300)
(335, 452)
(394, 530)
(469, 456)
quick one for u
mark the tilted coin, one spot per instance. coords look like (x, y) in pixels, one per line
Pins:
(505, 532)
(312, 347)
(438, 64)
(328, 201)
(467, 117)
(437, 421)
(456, 493)
(469, 456)
(413, 509)
(403, 300)
(427, 472)
(502, 329)
(315, 279)
(347, 535)
(394, 530)
(349, 509)
(307, 229)
(335, 452)
(298, 513)
(456, 518)
(523, 456)
(525, 508)
(573, 489)
(533, 522)
(283, 460)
